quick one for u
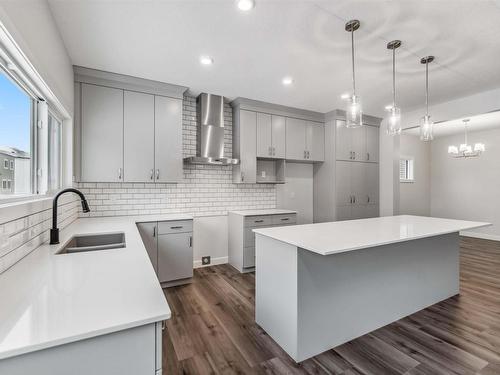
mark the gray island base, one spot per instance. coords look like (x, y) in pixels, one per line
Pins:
(310, 302)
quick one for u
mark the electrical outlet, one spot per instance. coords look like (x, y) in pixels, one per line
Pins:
(205, 260)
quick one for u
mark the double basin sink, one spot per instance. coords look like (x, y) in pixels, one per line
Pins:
(93, 242)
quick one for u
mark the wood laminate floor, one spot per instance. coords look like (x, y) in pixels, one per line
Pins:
(212, 329)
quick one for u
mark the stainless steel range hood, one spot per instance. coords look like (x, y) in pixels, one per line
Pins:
(210, 132)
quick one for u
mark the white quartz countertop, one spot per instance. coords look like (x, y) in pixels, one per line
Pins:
(271, 211)
(341, 236)
(48, 300)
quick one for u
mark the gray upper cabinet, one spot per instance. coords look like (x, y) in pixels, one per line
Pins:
(138, 137)
(315, 141)
(296, 139)
(244, 146)
(127, 129)
(264, 136)
(305, 140)
(270, 136)
(372, 144)
(168, 139)
(101, 134)
(357, 144)
(278, 136)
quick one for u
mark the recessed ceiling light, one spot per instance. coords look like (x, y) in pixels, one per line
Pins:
(287, 81)
(388, 107)
(345, 96)
(206, 60)
(246, 5)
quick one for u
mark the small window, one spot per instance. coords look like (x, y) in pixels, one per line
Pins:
(12, 165)
(406, 170)
(54, 149)
(5, 163)
(9, 184)
(4, 184)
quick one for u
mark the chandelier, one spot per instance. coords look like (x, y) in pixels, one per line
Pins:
(465, 150)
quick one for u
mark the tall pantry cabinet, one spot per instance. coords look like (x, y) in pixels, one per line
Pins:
(346, 185)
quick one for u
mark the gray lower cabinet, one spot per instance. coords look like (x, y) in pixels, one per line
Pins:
(170, 248)
(132, 351)
(175, 256)
(241, 241)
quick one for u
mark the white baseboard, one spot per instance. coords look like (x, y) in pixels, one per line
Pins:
(214, 261)
(484, 236)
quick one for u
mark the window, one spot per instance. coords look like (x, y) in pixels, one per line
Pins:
(54, 153)
(16, 127)
(406, 170)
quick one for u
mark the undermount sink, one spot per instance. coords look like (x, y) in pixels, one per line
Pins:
(93, 242)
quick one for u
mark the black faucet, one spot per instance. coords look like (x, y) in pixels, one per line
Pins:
(54, 232)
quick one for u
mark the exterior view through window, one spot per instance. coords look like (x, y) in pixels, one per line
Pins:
(15, 139)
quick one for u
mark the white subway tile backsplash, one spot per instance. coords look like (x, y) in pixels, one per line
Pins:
(206, 190)
(21, 236)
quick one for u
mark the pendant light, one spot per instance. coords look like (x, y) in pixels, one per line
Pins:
(465, 150)
(354, 116)
(426, 125)
(394, 121)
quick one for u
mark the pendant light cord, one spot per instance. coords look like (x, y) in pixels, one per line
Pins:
(352, 55)
(427, 88)
(393, 77)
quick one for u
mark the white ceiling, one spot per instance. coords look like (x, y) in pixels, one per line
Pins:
(163, 40)
(477, 123)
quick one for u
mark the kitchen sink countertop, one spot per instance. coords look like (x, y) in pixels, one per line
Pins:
(50, 299)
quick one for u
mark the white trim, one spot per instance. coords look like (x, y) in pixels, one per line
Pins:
(214, 262)
(484, 236)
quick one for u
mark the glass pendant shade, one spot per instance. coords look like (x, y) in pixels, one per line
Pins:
(426, 128)
(479, 147)
(452, 150)
(394, 121)
(353, 113)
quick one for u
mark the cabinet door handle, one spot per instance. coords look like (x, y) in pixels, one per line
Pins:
(274, 151)
(190, 241)
(151, 174)
(285, 219)
(157, 174)
(367, 156)
(258, 221)
(154, 231)
(308, 155)
(242, 176)
(119, 173)
(367, 199)
(305, 154)
(353, 199)
(354, 155)
(176, 227)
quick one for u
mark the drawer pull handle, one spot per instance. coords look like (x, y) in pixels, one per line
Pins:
(176, 227)
(258, 221)
(285, 219)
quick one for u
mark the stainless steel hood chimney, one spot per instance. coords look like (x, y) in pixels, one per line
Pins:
(210, 132)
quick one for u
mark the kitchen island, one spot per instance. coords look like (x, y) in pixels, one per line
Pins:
(321, 285)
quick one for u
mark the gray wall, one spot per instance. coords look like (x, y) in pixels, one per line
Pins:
(467, 188)
(415, 197)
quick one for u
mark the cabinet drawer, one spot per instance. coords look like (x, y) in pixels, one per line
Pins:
(181, 226)
(249, 257)
(257, 221)
(284, 219)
